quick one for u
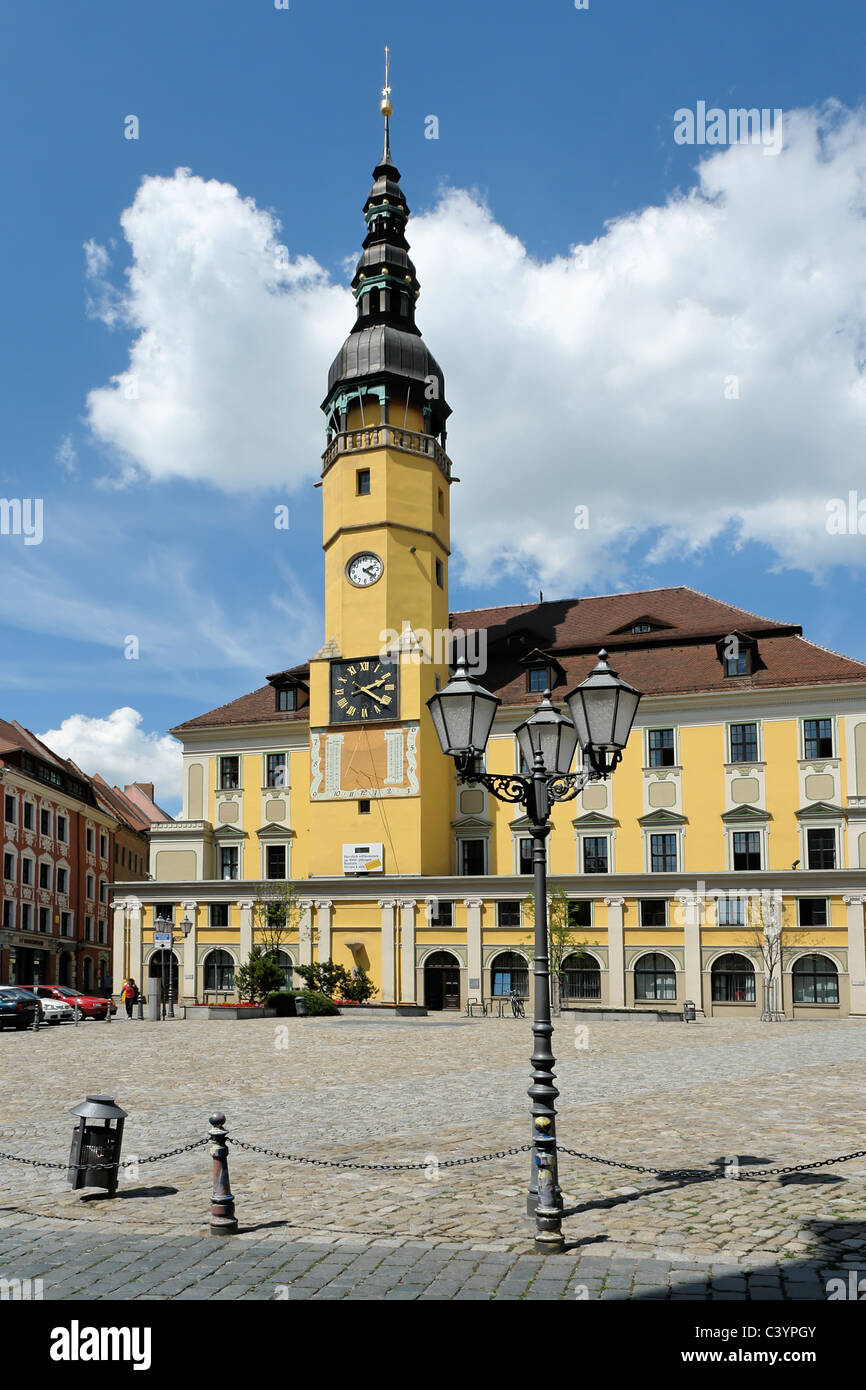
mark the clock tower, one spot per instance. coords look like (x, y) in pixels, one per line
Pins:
(377, 774)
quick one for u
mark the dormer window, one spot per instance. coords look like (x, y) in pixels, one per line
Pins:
(739, 664)
(641, 627)
(738, 654)
(287, 697)
(538, 678)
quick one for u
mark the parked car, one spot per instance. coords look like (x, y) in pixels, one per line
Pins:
(17, 1007)
(53, 1010)
(90, 1005)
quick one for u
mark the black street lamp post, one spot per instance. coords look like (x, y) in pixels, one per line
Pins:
(167, 926)
(602, 710)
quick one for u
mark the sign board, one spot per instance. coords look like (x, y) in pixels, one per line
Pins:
(474, 984)
(363, 859)
(161, 938)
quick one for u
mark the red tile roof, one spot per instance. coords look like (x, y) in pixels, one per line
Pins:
(679, 658)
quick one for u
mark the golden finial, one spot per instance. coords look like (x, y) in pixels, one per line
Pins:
(385, 106)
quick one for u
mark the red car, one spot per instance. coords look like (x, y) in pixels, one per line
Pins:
(91, 1005)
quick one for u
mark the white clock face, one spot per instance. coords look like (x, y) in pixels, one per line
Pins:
(364, 569)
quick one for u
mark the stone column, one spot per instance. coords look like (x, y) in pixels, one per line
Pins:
(246, 941)
(323, 922)
(407, 951)
(856, 952)
(136, 952)
(692, 904)
(473, 943)
(388, 906)
(305, 932)
(121, 965)
(615, 953)
(188, 984)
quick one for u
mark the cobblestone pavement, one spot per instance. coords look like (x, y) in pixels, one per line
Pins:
(663, 1095)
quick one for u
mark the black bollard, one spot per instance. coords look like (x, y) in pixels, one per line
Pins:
(222, 1211)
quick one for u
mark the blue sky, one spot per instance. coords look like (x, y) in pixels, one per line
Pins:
(556, 122)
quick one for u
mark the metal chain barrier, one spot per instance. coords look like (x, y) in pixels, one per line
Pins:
(377, 1167)
(124, 1162)
(714, 1173)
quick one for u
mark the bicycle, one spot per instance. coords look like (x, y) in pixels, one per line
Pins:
(517, 1008)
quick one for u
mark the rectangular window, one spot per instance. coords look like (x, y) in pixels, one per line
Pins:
(102, 933)
(440, 574)
(747, 849)
(8, 914)
(663, 854)
(164, 911)
(26, 917)
(44, 875)
(287, 698)
(363, 808)
(229, 858)
(45, 822)
(276, 773)
(9, 867)
(88, 841)
(66, 924)
(62, 829)
(363, 482)
(738, 665)
(595, 854)
(44, 919)
(580, 912)
(539, 678)
(9, 809)
(103, 892)
(812, 912)
(817, 738)
(88, 929)
(103, 847)
(821, 849)
(230, 774)
(660, 746)
(275, 861)
(218, 915)
(730, 912)
(62, 880)
(525, 856)
(653, 912)
(441, 914)
(508, 914)
(471, 856)
(27, 871)
(28, 815)
(744, 743)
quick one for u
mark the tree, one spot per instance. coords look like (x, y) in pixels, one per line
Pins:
(766, 917)
(561, 941)
(325, 978)
(358, 986)
(260, 975)
(276, 912)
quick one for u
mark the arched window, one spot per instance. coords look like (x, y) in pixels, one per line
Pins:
(286, 964)
(816, 980)
(581, 978)
(508, 972)
(655, 977)
(733, 979)
(219, 971)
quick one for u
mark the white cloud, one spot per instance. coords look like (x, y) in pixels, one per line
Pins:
(597, 378)
(120, 750)
(67, 456)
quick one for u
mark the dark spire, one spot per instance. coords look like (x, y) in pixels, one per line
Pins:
(385, 342)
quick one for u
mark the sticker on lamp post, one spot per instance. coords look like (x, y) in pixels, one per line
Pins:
(363, 859)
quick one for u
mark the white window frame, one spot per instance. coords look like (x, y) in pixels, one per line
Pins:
(520, 905)
(590, 834)
(220, 789)
(648, 832)
(277, 844)
(472, 834)
(654, 729)
(759, 741)
(834, 737)
(837, 829)
(46, 859)
(13, 914)
(747, 829)
(275, 753)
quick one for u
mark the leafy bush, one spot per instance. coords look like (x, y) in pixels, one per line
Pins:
(324, 977)
(259, 975)
(358, 987)
(283, 1000)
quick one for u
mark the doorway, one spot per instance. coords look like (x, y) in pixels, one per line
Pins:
(442, 981)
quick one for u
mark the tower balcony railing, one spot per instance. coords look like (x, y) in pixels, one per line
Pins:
(386, 437)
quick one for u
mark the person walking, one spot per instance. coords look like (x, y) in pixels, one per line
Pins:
(129, 995)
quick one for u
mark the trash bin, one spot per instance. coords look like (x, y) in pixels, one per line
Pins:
(95, 1152)
(689, 1011)
(300, 1007)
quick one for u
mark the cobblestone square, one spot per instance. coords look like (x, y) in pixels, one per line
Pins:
(426, 1091)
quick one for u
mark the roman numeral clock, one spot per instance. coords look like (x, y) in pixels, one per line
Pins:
(363, 691)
